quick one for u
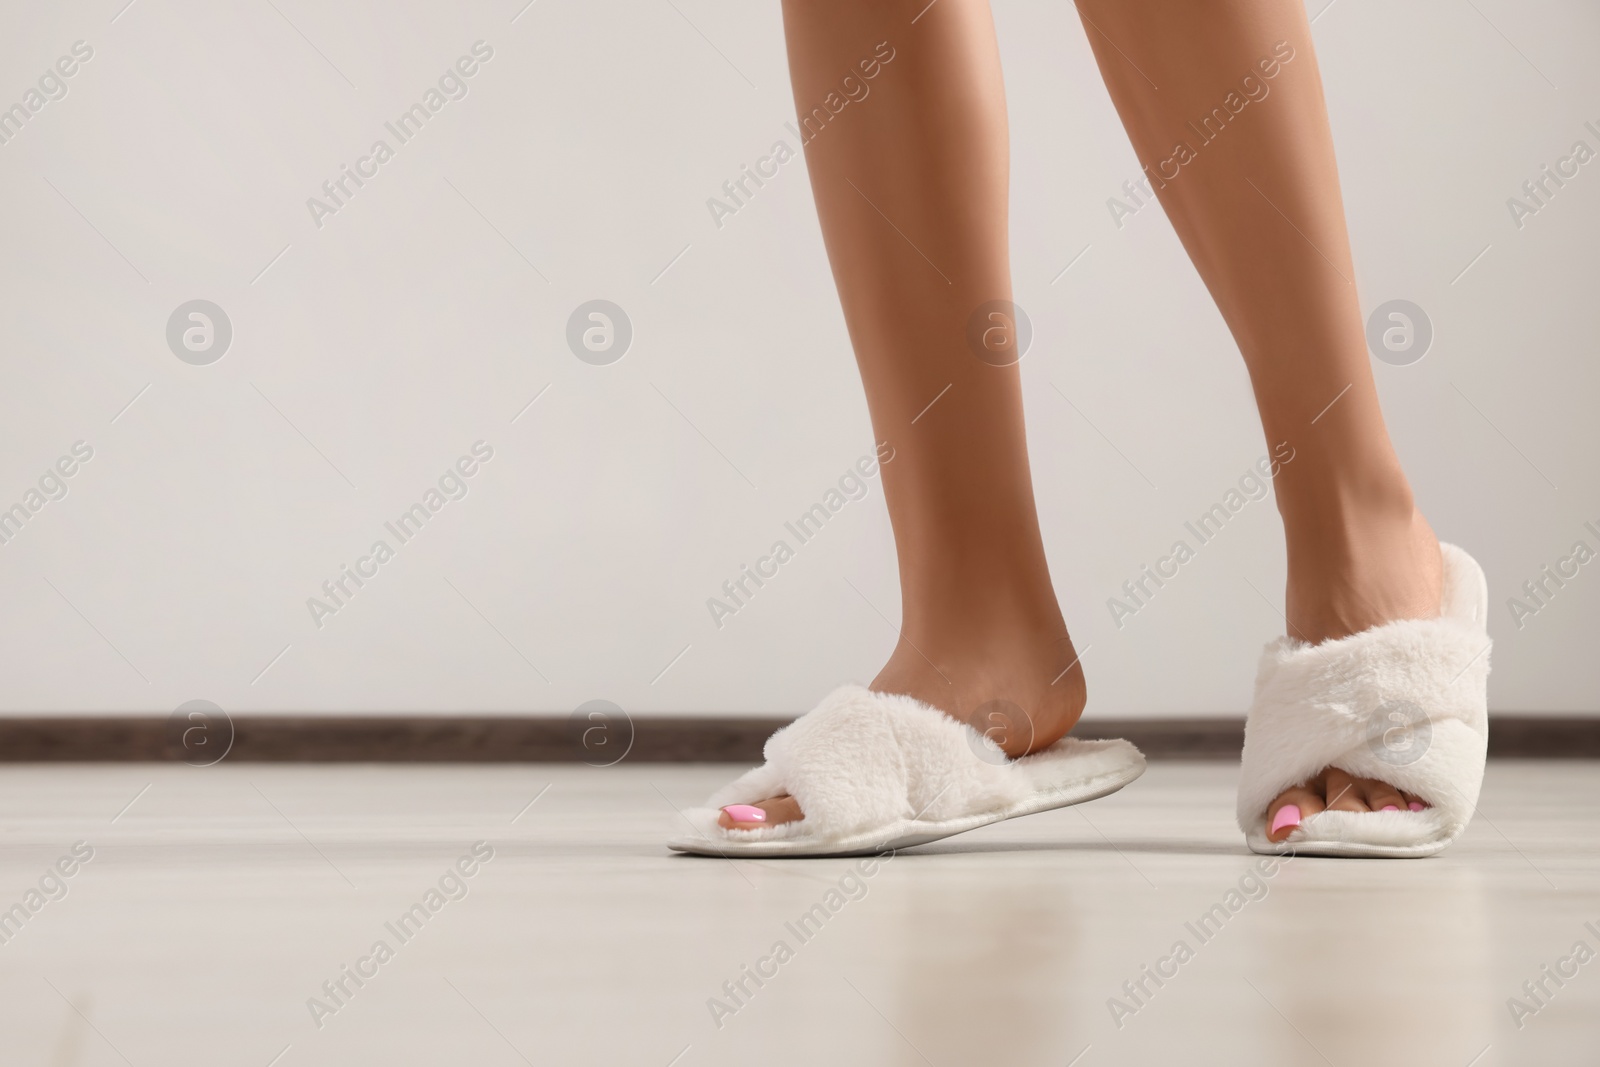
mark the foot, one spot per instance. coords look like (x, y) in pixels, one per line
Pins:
(1378, 572)
(1021, 685)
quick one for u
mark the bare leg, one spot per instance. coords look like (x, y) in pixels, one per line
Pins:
(1258, 207)
(911, 187)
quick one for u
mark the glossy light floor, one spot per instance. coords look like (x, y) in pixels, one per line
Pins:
(218, 902)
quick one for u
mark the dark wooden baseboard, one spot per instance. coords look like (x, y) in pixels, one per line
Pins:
(553, 739)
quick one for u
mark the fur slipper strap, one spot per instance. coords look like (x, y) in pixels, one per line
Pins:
(1404, 703)
(862, 759)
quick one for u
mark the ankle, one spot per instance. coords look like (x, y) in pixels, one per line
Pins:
(1371, 569)
(1024, 693)
(1340, 512)
(968, 600)
(1007, 625)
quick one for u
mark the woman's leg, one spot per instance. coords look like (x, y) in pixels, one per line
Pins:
(910, 182)
(1256, 202)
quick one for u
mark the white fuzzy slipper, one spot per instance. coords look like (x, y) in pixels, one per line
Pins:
(874, 772)
(1405, 703)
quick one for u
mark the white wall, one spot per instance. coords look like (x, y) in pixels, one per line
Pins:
(425, 314)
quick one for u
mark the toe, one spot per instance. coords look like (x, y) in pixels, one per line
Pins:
(772, 812)
(1292, 807)
(1380, 796)
(1342, 791)
(1334, 790)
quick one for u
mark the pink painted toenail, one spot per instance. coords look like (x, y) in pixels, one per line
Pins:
(1391, 807)
(1288, 815)
(745, 813)
(1416, 805)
